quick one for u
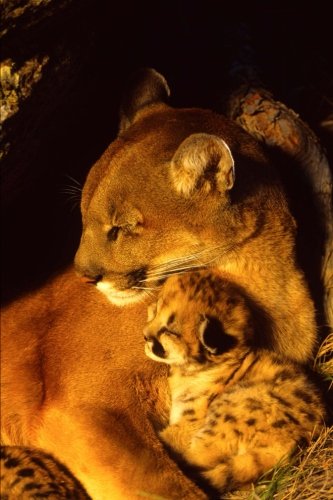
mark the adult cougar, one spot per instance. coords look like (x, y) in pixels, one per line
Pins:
(178, 189)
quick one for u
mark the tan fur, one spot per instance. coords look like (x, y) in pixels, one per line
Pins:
(236, 410)
(75, 378)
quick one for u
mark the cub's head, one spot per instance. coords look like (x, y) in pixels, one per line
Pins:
(198, 318)
(164, 196)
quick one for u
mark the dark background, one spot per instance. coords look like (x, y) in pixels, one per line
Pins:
(191, 43)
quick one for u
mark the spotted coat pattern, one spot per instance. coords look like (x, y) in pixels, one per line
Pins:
(237, 408)
(29, 473)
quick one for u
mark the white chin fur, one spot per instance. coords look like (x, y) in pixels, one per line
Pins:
(119, 298)
(151, 355)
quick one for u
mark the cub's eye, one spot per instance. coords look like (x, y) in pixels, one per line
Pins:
(166, 330)
(174, 334)
(113, 233)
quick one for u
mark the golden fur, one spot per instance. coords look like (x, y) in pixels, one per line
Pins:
(237, 410)
(75, 378)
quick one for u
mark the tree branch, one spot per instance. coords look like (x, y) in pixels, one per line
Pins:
(270, 121)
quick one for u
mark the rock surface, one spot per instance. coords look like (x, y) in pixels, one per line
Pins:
(43, 52)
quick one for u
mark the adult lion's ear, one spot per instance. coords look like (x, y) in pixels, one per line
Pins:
(202, 162)
(146, 87)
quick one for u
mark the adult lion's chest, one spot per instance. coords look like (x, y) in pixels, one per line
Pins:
(83, 353)
(99, 348)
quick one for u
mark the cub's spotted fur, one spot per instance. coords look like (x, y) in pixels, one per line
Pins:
(29, 473)
(236, 408)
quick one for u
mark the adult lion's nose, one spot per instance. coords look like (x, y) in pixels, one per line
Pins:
(85, 267)
(88, 273)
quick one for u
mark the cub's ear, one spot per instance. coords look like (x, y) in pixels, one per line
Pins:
(146, 86)
(202, 162)
(213, 337)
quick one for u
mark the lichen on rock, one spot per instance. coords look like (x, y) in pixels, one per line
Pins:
(17, 83)
(44, 46)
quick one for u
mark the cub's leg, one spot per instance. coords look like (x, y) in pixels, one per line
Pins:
(178, 437)
(240, 471)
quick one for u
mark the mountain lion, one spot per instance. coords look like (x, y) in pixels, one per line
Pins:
(178, 189)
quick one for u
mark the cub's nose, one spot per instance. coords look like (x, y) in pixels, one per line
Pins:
(147, 335)
(155, 345)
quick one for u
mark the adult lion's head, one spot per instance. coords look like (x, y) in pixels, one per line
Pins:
(178, 188)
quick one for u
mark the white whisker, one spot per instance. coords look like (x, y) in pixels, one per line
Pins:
(173, 270)
(146, 294)
(191, 257)
(169, 272)
(187, 263)
(73, 192)
(75, 181)
(143, 287)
